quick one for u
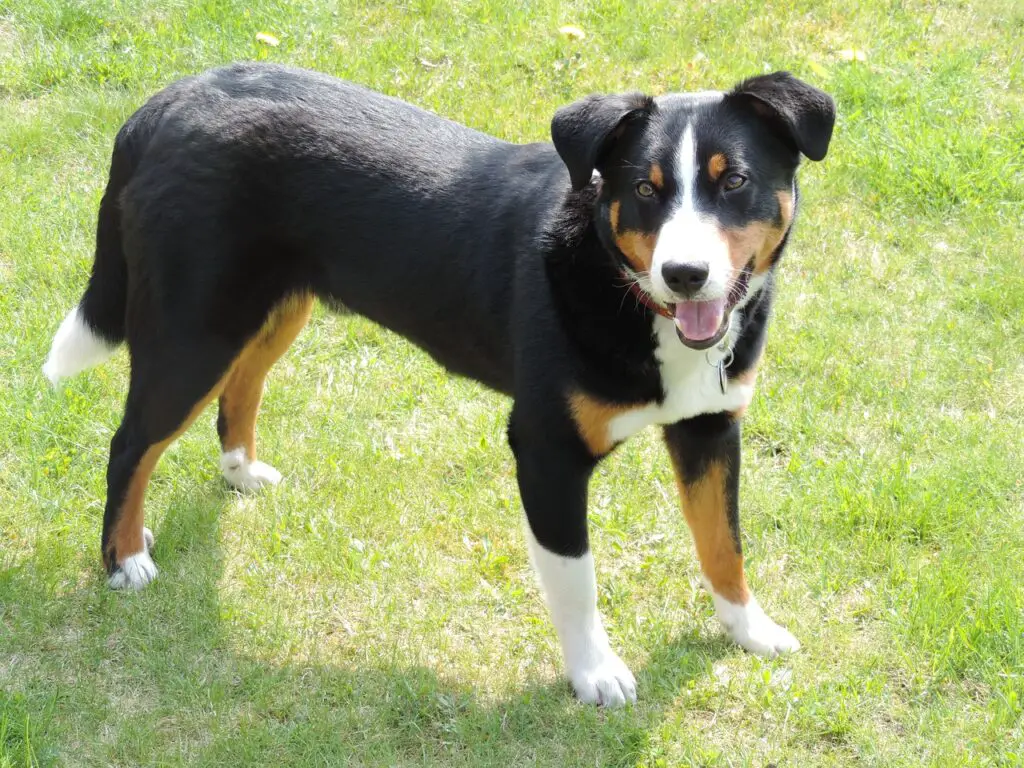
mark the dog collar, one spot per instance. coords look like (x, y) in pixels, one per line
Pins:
(644, 298)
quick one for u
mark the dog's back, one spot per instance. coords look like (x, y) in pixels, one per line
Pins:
(619, 279)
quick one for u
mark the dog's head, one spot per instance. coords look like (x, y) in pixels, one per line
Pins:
(697, 190)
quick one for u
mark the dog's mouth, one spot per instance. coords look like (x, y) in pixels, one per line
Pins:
(702, 324)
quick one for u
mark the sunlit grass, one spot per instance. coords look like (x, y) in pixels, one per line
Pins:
(378, 608)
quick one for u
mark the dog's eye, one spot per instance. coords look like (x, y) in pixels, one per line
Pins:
(733, 182)
(645, 189)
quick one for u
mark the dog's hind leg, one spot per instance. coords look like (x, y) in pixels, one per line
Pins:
(243, 391)
(170, 385)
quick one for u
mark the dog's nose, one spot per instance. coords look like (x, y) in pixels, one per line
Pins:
(685, 278)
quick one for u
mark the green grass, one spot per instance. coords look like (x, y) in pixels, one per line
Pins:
(378, 608)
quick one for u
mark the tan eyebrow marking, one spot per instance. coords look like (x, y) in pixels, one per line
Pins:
(717, 165)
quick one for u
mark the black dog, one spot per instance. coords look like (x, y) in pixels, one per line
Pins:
(620, 278)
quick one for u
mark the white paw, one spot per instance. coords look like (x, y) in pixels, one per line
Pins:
(597, 674)
(136, 571)
(750, 626)
(247, 475)
(603, 679)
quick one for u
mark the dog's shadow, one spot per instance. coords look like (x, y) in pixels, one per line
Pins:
(177, 662)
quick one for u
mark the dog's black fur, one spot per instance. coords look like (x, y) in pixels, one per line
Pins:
(231, 191)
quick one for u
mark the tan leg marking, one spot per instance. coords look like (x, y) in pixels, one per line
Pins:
(705, 507)
(240, 401)
(592, 417)
(242, 384)
(126, 539)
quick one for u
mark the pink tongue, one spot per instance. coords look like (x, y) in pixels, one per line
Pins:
(700, 320)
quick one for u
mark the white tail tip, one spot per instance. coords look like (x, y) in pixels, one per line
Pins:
(75, 348)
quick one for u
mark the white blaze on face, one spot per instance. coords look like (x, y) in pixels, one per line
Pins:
(689, 237)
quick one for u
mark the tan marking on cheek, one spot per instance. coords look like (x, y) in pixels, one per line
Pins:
(613, 215)
(717, 165)
(759, 239)
(772, 237)
(705, 506)
(745, 243)
(656, 176)
(785, 206)
(637, 247)
(775, 234)
(592, 417)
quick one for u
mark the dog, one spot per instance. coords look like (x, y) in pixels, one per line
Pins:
(618, 277)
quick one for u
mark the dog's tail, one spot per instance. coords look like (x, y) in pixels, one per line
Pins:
(92, 331)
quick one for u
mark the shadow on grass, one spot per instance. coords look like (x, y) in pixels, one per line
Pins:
(191, 697)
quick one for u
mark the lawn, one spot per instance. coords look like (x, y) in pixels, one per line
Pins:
(377, 608)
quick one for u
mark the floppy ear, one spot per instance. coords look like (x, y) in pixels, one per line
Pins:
(584, 131)
(805, 114)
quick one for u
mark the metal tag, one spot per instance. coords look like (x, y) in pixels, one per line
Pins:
(725, 362)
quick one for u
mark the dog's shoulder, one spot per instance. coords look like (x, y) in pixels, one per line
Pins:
(609, 340)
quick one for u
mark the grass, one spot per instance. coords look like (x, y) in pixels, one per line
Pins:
(378, 608)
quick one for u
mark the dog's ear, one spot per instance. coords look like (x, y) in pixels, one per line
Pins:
(804, 115)
(584, 131)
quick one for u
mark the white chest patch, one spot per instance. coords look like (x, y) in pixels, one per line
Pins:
(691, 383)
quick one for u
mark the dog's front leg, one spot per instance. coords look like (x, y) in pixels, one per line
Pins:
(705, 452)
(553, 470)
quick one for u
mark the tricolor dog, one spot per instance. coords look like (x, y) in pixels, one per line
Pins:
(617, 278)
